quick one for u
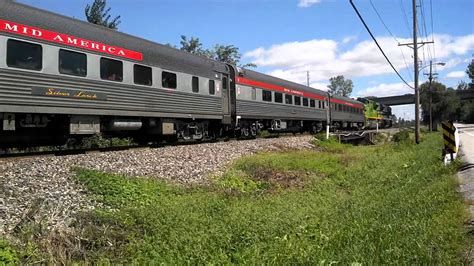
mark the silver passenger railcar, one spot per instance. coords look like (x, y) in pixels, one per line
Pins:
(281, 105)
(61, 78)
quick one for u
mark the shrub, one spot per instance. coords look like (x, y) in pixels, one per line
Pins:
(402, 136)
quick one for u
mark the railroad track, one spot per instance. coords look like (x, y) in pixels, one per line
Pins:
(65, 152)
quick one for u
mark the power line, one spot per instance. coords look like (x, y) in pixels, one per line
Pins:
(432, 30)
(390, 32)
(375, 40)
(406, 17)
(422, 12)
(381, 20)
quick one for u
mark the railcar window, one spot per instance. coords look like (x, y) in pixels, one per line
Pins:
(297, 100)
(24, 55)
(212, 87)
(305, 101)
(72, 63)
(278, 97)
(195, 84)
(288, 99)
(254, 94)
(312, 103)
(111, 69)
(142, 75)
(266, 96)
(168, 80)
(319, 104)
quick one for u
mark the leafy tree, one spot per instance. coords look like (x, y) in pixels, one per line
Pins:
(223, 53)
(445, 103)
(340, 86)
(194, 46)
(98, 13)
(467, 112)
(470, 73)
(463, 86)
(229, 54)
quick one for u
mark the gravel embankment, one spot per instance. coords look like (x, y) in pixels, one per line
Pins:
(41, 189)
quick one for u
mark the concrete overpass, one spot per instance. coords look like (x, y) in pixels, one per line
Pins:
(410, 98)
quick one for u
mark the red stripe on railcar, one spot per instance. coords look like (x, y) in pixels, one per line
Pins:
(68, 40)
(255, 83)
(347, 103)
(260, 84)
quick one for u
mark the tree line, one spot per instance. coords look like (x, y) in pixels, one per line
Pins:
(445, 102)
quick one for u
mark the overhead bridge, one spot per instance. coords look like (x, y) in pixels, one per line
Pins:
(410, 98)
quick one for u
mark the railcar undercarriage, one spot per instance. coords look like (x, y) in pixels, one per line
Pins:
(23, 130)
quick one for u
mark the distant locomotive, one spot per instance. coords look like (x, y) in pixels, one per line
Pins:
(61, 78)
(376, 114)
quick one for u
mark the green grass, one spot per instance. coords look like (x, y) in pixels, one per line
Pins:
(386, 204)
(8, 255)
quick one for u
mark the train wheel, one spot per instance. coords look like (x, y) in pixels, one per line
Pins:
(253, 131)
(244, 132)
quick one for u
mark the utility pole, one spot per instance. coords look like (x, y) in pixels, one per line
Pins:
(417, 72)
(430, 78)
(307, 78)
(430, 90)
(417, 90)
(328, 115)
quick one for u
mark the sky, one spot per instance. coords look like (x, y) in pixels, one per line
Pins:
(287, 38)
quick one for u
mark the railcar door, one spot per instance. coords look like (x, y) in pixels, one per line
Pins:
(226, 106)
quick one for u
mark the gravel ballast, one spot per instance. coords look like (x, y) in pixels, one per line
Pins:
(42, 189)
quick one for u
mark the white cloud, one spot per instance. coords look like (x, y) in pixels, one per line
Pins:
(448, 46)
(324, 59)
(456, 75)
(319, 86)
(349, 39)
(383, 89)
(308, 3)
(295, 53)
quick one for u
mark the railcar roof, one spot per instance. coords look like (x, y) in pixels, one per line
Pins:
(154, 54)
(250, 74)
(347, 99)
